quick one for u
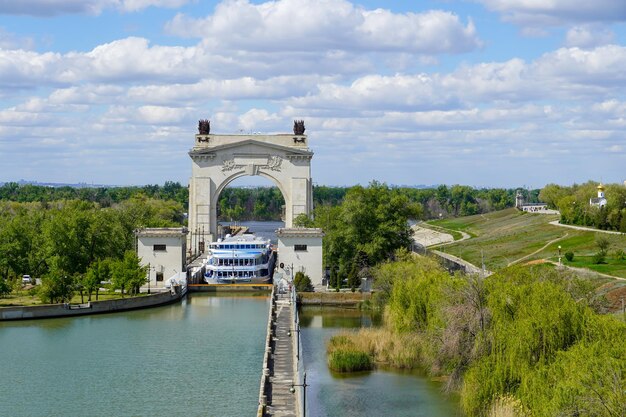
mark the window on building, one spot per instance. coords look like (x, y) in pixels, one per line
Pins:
(159, 247)
(159, 276)
(299, 248)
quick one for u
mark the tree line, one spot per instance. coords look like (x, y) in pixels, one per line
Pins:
(573, 204)
(62, 242)
(267, 203)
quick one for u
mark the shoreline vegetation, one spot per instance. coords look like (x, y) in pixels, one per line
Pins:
(526, 341)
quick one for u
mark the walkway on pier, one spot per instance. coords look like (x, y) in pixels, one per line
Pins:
(283, 401)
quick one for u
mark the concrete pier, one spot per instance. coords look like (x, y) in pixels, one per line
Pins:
(281, 391)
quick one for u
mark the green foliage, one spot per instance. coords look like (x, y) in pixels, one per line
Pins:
(526, 340)
(302, 282)
(97, 273)
(5, 288)
(367, 228)
(599, 258)
(127, 274)
(302, 220)
(569, 255)
(418, 288)
(57, 286)
(603, 244)
(619, 254)
(344, 356)
(573, 204)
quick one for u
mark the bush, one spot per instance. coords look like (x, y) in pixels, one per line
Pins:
(569, 256)
(619, 254)
(599, 258)
(302, 282)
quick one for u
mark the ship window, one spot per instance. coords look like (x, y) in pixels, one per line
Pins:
(159, 247)
(299, 248)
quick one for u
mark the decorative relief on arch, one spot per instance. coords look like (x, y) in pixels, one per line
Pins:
(229, 165)
(274, 163)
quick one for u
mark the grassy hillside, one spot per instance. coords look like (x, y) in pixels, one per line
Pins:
(508, 236)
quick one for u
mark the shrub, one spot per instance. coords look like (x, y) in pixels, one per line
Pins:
(599, 258)
(619, 254)
(569, 256)
(302, 282)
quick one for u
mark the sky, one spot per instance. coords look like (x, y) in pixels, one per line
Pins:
(487, 93)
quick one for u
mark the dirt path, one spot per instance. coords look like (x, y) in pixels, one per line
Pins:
(538, 250)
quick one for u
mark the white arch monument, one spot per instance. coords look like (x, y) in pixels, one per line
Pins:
(217, 160)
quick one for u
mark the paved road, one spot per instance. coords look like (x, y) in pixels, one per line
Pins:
(587, 229)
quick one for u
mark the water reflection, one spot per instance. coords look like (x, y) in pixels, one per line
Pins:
(379, 392)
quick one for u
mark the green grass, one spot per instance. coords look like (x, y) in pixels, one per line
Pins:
(23, 298)
(345, 356)
(508, 235)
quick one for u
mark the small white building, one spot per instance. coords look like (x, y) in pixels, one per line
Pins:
(601, 200)
(300, 249)
(163, 251)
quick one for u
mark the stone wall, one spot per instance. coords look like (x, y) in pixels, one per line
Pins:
(94, 307)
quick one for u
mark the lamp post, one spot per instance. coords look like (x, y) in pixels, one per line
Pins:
(297, 330)
(303, 385)
(559, 255)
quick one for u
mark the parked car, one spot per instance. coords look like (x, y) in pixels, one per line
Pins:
(26, 279)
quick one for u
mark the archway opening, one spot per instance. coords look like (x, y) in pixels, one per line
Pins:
(254, 202)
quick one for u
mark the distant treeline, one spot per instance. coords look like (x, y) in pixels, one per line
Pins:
(267, 203)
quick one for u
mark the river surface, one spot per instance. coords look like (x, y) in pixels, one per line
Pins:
(376, 393)
(201, 357)
(264, 229)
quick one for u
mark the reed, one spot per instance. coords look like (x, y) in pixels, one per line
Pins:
(381, 346)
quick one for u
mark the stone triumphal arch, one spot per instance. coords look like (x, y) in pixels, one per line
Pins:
(217, 160)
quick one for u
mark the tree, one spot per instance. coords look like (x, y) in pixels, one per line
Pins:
(372, 221)
(5, 288)
(98, 272)
(57, 286)
(128, 274)
(302, 282)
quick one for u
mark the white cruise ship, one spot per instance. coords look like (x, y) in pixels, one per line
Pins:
(239, 259)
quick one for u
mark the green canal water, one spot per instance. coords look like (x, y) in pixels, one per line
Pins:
(376, 393)
(201, 357)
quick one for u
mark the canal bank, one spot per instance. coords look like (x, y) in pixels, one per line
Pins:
(46, 311)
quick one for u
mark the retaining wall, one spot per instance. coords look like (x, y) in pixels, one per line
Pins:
(264, 390)
(94, 307)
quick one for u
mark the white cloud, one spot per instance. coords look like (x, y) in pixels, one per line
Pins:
(91, 7)
(302, 25)
(11, 41)
(538, 13)
(588, 36)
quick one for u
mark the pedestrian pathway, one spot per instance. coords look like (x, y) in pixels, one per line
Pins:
(586, 229)
(283, 401)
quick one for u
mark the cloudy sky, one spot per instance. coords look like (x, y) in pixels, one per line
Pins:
(477, 92)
